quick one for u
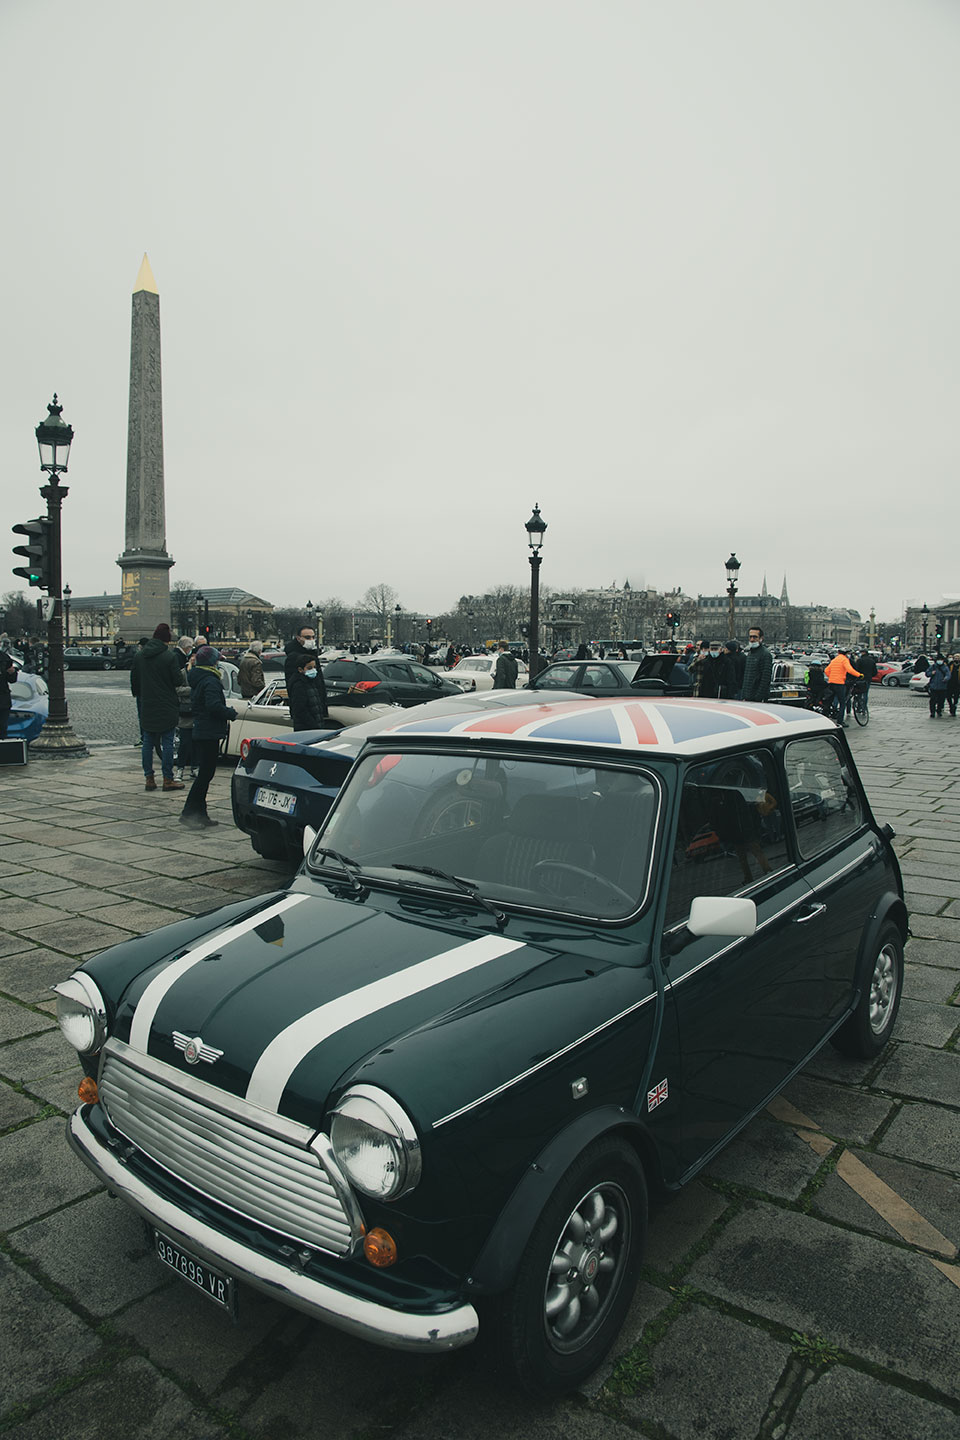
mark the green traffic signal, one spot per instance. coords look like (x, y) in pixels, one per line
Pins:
(37, 552)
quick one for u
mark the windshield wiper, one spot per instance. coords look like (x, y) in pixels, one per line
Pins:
(463, 885)
(350, 867)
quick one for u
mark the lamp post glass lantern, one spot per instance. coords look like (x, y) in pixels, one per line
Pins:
(925, 614)
(535, 528)
(733, 570)
(54, 438)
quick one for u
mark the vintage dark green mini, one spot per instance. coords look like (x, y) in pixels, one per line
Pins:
(541, 960)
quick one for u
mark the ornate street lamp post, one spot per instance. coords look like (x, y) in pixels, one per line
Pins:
(67, 592)
(733, 570)
(535, 528)
(396, 626)
(925, 613)
(200, 604)
(56, 740)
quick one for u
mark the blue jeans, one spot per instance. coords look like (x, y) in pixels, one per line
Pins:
(839, 693)
(165, 740)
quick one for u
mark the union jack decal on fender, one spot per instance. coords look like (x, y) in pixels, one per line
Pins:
(657, 1095)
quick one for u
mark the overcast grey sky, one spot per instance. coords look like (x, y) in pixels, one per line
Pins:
(682, 271)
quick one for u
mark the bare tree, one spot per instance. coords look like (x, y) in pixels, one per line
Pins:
(19, 614)
(380, 599)
(336, 621)
(183, 606)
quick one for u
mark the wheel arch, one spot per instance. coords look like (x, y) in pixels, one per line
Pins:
(890, 910)
(496, 1265)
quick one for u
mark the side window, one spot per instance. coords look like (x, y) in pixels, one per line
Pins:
(596, 675)
(823, 796)
(730, 832)
(560, 677)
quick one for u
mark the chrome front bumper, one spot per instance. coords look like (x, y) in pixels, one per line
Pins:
(396, 1329)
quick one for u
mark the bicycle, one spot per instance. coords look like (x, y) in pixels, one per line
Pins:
(857, 701)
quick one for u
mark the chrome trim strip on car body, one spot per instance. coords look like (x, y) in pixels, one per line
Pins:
(397, 1329)
(153, 996)
(292, 1045)
(532, 1069)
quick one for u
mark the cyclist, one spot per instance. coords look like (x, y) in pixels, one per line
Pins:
(836, 675)
(867, 666)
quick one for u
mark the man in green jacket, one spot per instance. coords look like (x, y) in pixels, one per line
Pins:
(154, 679)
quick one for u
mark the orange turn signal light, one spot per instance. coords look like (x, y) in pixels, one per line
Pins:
(87, 1090)
(380, 1248)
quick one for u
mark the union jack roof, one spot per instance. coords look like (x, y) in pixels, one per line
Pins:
(675, 726)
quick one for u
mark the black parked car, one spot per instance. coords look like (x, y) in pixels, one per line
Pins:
(82, 657)
(538, 962)
(393, 680)
(654, 675)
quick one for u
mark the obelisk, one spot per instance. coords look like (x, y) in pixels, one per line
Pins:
(145, 563)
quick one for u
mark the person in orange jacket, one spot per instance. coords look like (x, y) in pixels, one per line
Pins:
(835, 675)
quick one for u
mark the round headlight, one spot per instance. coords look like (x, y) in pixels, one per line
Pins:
(375, 1143)
(81, 1013)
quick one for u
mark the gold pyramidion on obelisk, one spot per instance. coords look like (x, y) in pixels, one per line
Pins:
(145, 564)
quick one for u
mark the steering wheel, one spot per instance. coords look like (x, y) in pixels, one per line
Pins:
(601, 881)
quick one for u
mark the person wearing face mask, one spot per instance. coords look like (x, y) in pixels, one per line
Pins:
(302, 647)
(307, 697)
(718, 680)
(758, 667)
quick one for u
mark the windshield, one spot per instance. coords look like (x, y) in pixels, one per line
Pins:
(531, 832)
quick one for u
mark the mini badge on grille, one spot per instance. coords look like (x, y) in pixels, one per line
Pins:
(194, 1049)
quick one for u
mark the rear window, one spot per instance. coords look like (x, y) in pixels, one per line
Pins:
(348, 670)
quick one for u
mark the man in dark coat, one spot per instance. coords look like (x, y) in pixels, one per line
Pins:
(506, 669)
(8, 673)
(154, 679)
(757, 669)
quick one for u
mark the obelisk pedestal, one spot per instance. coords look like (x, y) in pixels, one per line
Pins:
(145, 564)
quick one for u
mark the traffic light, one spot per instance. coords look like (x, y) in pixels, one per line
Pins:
(670, 620)
(939, 629)
(37, 552)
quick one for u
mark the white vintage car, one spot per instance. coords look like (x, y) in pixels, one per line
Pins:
(268, 713)
(475, 672)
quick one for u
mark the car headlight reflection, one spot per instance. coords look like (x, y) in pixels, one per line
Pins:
(375, 1143)
(81, 1013)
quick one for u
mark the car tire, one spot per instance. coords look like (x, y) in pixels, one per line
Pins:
(107, 665)
(888, 680)
(869, 1028)
(555, 1325)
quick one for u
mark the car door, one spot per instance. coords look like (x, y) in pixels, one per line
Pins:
(748, 1009)
(266, 714)
(600, 679)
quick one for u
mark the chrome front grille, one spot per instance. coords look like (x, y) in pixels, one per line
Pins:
(259, 1165)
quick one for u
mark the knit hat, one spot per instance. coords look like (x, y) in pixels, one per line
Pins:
(206, 655)
(163, 632)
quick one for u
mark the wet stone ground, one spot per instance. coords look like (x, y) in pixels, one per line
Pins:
(807, 1286)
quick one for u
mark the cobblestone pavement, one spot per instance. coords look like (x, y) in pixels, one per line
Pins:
(807, 1287)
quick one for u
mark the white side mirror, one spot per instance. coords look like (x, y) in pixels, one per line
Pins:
(309, 835)
(717, 915)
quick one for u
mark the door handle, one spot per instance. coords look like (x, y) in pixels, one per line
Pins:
(810, 914)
